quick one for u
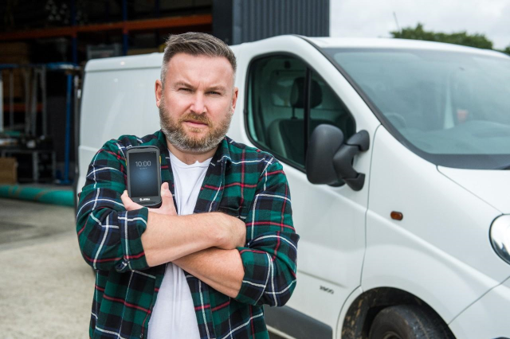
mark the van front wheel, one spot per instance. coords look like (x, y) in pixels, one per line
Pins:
(408, 322)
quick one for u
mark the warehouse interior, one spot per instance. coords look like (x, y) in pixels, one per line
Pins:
(44, 46)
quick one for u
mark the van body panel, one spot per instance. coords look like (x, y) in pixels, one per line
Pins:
(485, 184)
(491, 309)
(118, 105)
(125, 63)
(114, 103)
(86, 154)
(431, 252)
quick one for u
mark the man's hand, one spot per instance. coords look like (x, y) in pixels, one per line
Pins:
(222, 270)
(167, 202)
(233, 232)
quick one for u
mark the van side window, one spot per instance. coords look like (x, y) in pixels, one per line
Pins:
(285, 98)
(326, 108)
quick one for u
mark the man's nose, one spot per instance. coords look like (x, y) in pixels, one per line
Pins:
(198, 105)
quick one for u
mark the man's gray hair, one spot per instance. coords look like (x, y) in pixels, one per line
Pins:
(195, 44)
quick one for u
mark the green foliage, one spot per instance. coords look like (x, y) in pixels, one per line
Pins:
(459, 38)
(506, 50)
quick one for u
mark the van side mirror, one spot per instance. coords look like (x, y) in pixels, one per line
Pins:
(329, 160)
(322, 147)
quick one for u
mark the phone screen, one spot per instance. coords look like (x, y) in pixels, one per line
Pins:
(144, 176)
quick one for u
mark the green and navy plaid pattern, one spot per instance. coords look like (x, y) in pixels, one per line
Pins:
(240, 181)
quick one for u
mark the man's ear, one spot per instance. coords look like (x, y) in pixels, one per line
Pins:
(159, 91)
(234, 99)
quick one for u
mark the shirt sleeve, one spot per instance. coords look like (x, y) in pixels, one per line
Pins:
(108, 235)
(269, 258)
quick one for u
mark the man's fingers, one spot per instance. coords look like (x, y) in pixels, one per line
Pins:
(129, 204)
(125, 198)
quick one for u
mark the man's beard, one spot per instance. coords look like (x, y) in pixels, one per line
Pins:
(177, 136)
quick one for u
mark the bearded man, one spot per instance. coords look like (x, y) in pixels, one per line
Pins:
(221, 245)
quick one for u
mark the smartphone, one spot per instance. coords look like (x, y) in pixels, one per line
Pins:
(144, 175)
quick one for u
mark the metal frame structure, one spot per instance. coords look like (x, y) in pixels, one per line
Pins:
(124, 27)
(38, 80)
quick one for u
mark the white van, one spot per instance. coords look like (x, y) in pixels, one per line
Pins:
(402, 199)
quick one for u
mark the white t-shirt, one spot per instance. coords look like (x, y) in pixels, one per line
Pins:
(173, 316)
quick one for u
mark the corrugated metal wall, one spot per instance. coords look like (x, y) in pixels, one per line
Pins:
(238, 21)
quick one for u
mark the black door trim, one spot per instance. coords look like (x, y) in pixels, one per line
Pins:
(296, 324)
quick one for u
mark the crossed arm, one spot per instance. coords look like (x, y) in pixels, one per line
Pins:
(201, 244)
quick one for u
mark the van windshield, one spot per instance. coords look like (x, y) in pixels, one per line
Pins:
(451, 108)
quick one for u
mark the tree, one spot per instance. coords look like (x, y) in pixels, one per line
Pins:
(458, 38)
(506, 50)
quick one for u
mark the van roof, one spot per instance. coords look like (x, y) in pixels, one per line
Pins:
(154, 60)
(125, 62)
(397, 43)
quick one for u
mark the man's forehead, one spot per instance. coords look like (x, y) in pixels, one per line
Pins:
(190, 59)
(212, 69)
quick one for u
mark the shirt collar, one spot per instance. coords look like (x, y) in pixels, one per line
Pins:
(222, 154)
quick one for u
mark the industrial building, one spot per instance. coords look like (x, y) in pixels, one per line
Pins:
(44, 46)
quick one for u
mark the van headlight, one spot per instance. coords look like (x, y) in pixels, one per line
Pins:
(500, 237)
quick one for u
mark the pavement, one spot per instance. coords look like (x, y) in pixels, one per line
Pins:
(45, 286)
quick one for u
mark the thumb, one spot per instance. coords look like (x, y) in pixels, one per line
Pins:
(165, 192)
(167, 200)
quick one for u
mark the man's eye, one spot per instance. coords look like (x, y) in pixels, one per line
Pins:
(214, 93)
(184, 89)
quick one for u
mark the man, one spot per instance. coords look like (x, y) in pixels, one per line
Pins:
(205, 269)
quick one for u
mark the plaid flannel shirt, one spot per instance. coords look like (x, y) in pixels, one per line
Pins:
(240, 181)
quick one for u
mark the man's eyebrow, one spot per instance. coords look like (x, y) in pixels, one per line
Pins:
(216, 88)
(182, 84)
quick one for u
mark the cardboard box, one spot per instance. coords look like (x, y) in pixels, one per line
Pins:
(8, 171)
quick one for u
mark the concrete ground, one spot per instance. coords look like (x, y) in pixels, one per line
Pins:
(45, 286)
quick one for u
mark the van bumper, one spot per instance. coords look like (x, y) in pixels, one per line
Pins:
(487, 318)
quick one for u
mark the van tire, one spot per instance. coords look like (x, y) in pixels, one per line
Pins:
(408, 322)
